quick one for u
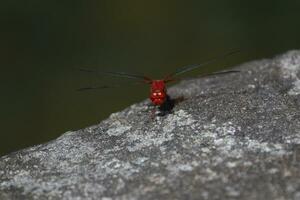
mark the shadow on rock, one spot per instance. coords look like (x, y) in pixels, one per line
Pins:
(168, 105)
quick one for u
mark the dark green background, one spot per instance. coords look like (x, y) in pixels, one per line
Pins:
(43, 41)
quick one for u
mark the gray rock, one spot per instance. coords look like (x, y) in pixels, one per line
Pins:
(235, 136)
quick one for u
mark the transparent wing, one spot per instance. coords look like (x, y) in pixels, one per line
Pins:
(93, 88)
(220, 73)
(106, 86)
(118, 74)
(209, 74)
(196, 66)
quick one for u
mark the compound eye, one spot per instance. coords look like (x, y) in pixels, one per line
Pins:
(159, 93)
(154, 94)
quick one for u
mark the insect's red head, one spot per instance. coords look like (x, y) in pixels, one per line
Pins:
(158, 92)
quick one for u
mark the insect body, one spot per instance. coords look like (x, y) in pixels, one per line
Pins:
(158, 91)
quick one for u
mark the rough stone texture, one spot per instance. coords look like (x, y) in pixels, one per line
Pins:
(235, 136)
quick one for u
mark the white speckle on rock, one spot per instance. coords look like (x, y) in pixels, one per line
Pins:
(296, 89)
(106, 198)
(247, 164)
(117, 128)
(290, 67)
(231, 164)
(251, 86)
(178, 119)
(293, 139)
(205, 150)
(120, 184)
(264, 147)
(176, 168)
(223, 138)
(118, 167)
(140, 160)
(185, 167)
(232, 191)
(211, 175)
(273, 170)
(138, 139)
(157, 178)
(225, 141)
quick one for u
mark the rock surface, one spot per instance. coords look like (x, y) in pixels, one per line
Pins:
(233, 137)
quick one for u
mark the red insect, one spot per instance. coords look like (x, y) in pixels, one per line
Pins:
(158, 91)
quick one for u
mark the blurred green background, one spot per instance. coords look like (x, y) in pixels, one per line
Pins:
(42, 42)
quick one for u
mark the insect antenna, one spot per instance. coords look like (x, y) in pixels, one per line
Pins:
(187, 68)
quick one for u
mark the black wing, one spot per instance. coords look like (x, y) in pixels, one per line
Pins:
(195, 66)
